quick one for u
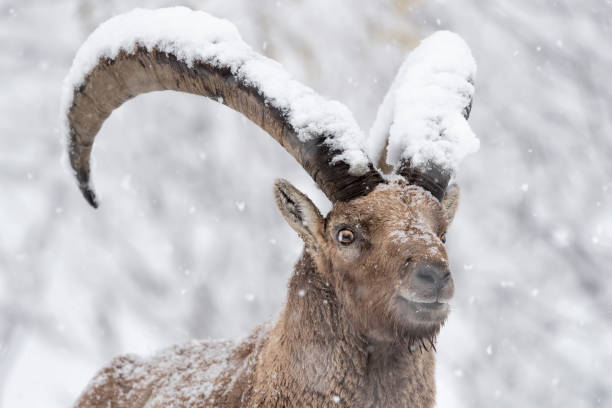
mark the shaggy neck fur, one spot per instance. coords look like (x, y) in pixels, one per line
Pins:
(313, 355)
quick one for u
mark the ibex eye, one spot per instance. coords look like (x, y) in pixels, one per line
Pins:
(346, 236)
(443, 238)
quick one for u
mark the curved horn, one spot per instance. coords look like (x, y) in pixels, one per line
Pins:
(183, 50)
(423, 118)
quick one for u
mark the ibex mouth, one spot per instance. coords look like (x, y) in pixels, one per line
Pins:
(423, 311)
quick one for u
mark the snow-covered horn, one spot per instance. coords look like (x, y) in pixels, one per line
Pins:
(422, 121)
(191, 51)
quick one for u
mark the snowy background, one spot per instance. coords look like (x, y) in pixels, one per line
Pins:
(189, 244)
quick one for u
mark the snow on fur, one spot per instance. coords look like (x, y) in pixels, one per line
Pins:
(422, 113)
(197, 36)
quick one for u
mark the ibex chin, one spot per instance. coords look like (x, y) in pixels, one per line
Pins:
(371, 288)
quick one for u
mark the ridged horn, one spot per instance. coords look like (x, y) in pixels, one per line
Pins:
(421, 130)
(196, 53)
(432, 176)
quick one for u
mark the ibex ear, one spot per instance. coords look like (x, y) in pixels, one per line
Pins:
(303, 216)
(450, 202)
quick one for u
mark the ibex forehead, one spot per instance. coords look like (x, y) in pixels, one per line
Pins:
(390, 204)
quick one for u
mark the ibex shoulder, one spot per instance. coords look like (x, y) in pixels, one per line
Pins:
(203, 373)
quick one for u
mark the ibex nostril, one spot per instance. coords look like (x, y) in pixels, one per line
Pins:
(432, 274)
(426, 276)
(446, 277)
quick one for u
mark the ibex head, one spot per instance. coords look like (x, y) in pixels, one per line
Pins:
(381, 247)
(384, 255)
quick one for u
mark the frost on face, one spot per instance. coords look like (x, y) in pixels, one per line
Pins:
(415, 227)
(413, 232)
(424, 113)
(195, 36)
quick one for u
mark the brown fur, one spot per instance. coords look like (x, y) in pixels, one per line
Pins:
(345, 337)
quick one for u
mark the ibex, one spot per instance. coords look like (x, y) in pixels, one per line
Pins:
(371, 288)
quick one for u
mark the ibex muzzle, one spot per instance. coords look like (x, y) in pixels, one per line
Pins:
(431, 282)
(371, 289)
(428, 290)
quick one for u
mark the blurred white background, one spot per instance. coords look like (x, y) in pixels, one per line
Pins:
(188, 244)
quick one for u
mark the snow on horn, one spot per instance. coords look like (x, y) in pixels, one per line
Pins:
(421, 129)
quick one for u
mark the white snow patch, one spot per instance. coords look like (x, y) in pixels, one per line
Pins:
(197, 36)
(422, 113)
(240, 206)
(182, 375)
